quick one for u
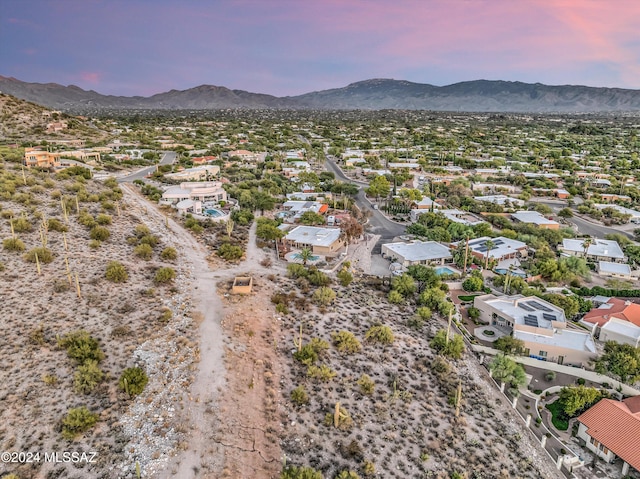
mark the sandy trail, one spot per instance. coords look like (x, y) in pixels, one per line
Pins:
(203, 454)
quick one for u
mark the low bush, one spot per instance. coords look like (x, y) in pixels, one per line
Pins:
(299, 396)
(379, 334)
(13, 244)
(133, 381)
(169, 254)
(116, 272)
(87, 377)
(346, 342)
(99, 233)
(77, 421)
(81, 347)
(164, 275)
(44, 255)
(143, 251)
(230, 252)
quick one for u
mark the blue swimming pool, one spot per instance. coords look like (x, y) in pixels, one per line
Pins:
(311, 258)
(441, 270)
(214, 213)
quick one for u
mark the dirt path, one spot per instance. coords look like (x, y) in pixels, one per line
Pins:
(230, 412)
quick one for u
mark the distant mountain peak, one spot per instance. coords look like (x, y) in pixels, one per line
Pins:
(375, 93)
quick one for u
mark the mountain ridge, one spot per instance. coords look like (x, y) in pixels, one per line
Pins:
(372, 94)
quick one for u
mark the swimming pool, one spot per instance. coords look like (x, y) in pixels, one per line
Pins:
(311, 258)
(214, 213)
(440, 270)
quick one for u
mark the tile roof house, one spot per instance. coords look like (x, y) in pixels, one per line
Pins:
(612, 428)
(616, 320)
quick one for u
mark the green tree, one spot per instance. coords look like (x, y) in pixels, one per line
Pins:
(473, 283)
(404, 284)
(508, 371)
(620, 360)
(565, 213)
(378, 187)
(305, 255)
(311, 218)
(509, 345)
(577, 399)
(263, 202)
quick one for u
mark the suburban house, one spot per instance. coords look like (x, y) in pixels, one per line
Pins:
(425, 203)
(612, 197)
(248, 156)
(542, 327)
(321, 241)
(295, 209)
(502, 200)
(634, 215)
(614, 270)
(198, 173)
(203, 160)
(501, 248)
(615, 320)
(611, 429)
(457, 216)
(35, 157)
(595, 249)
(417, 252)
(200, 191)
(535, 218)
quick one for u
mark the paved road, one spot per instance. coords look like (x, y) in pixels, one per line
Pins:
(378, 223)
(168, 158)
(584, 227)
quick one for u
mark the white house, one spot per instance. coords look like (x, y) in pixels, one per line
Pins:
(417, 252)
(597, 249)
(542, 327)
(535, 218)
(614, 270)
(322, 241)
(501, 200)
(198, 173)
(201, 191)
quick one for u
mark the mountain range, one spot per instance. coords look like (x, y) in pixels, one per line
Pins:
(375, 94)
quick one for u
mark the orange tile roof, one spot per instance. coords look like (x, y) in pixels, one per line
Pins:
(619, 309)
(616, 427)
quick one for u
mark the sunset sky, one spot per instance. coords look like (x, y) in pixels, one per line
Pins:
(288, 47)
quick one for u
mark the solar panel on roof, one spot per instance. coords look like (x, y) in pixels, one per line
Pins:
(531, 321)
(549, 317)
(539, 306)
(526, 307)
(482, 249)
(498, 242)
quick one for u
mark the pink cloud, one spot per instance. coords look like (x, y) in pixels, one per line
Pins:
(30, 51)
(90, 77)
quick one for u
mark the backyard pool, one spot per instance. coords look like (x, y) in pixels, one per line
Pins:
(442, 270)
(310, 259)
(214, 213)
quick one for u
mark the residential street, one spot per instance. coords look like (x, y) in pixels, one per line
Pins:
(168, 158)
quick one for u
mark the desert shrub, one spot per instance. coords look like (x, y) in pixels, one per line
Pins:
(61, 285)
(22, 225)
(242, 217)
(77, 421)
(322, 373)
(143, 251)
(95, 244)
(299, 396)
(165, 316)
(368, 468)
(324, 296)
(395, 297)
(550, 375)
(81, 346)
(318, 278)
(99, 233)
(347, 474)
(295, 270)
(103, 219)
(13, 244)
(230, 252)
(44, 255)
(133, 381)
(141, 230)
(311, 352)
(345, 422)
(164, 275)
(379, 334)
(346, 342)
(293, 472)
(54, 224)
(345, 277)
(116, 272)
(87, 377)
(366, 384)
(169, 254)
(85, 219)
(151, 240)
(2, 266)
(50, 379)
(452, 348)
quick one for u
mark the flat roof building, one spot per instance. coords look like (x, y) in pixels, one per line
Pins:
(417, 252)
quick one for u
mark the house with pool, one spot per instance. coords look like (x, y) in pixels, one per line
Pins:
(541, 326)
(203, 191)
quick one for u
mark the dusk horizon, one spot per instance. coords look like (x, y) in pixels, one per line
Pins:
(289, 48)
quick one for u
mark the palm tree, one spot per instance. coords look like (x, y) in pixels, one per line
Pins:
(585, 245)
(489, 245)
(305, 255)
